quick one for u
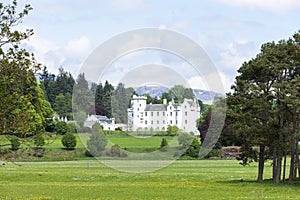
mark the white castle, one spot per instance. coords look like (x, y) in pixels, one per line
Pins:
(143, 116)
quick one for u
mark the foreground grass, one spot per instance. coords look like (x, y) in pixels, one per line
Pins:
(198, 179)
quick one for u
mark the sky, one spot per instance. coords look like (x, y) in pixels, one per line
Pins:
(229, 31)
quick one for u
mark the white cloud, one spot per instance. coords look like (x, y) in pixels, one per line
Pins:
(78, 47)
(217, 82)
(271, 5)
(237, 52)
(52, 55)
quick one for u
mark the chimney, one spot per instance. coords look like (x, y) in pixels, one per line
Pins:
(164, 101)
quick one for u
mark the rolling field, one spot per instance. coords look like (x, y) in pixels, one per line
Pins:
(198, 179)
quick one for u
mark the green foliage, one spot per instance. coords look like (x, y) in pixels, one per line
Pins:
(264, 107)
(63, 105)
(115, 150)
(62, 127)
(74, 127)
(172, 130)
(69, 141)
(97, 142)
(119, 103)
(163, 144)
(15, 143)
(214, 153)
(39, 140)
(23, 107)
(185, 139)
(194, 148)
(179, 92)
(58, 91)
(82, 100)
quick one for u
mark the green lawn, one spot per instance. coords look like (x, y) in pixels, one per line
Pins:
(54, 149)
(198, 179)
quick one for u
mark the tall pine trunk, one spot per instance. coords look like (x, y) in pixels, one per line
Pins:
(292, 174)
(284, 166)
(261, 163)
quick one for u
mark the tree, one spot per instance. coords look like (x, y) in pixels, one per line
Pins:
(172, 130)
(163, 144)
(194, 148)
(185, 139)
(69, 141)
(119, 103)
(23, 108)
(62, 128)
(82, 100)
(63, 105)
(97, 142)
(265, 106)
(39, 140)
(99, 94)
(107, 90)
(179, 92)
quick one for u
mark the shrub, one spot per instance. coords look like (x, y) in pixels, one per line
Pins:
(15, 143)
(39, 140)
(50, 126)
(163, 144)
(115, 150)
(69, 141)
(87, 129)
(185, 139)
(194, 148)
(74, 127)
(97, 142)
(39, 152)
(62, 127)
(172, 130)
(214, 153)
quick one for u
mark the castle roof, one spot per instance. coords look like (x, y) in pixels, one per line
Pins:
(156, 107)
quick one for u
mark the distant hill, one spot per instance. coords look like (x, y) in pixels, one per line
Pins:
(156, 91)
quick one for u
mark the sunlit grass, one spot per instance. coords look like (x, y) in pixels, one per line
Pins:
(89, 179)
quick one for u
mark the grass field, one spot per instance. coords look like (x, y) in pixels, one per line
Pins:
(54, 149)
(86, 178)
(197, 179)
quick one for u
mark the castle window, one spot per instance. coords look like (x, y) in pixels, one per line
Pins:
(170, 121)
(151, 114)
(146, 114)
(164, 122)
(185, 113)
(157, 113)
(138, 109)
(176, 122)
(176, 113)
(170, 113)
(146, 122)
(185, 121)
(163, 113)
(157, 122)
(151, 121)
(140, 105)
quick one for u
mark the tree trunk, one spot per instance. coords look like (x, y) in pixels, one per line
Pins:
(278, 168)
(261, 162)
(297, 167)
(293, 150)
(292, 165)
(274, 168)
(284, 167)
